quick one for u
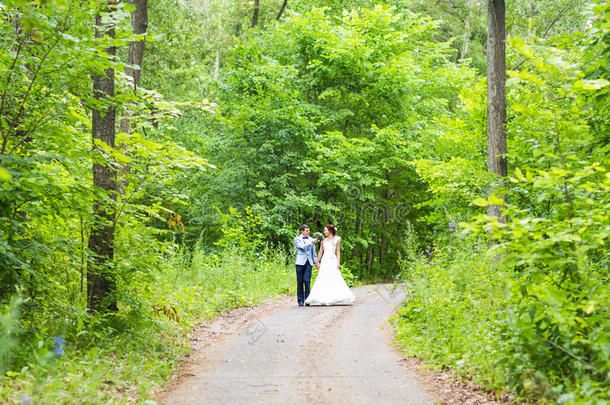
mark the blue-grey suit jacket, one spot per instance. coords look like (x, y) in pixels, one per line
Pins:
(306, 250)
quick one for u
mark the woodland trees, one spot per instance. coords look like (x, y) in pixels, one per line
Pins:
(218, 127)
(496, 94)
(100, 280)
(532, 300)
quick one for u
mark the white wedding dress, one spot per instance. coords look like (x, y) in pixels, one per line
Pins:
(329, 287)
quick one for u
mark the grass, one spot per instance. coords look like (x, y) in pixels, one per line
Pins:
(126, 358)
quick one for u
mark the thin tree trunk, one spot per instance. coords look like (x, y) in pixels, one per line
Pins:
(255, 15)
(496, 96)
(217, 64)
(279, 14)
(370, 258)
(356, 232)
(101, 284)
(384, 220)
(467, 28)
(464, 50)
(139, 20)
(82, 255)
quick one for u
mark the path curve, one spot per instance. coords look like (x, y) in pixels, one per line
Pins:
(286, 354)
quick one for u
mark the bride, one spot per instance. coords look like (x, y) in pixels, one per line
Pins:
(329, 287)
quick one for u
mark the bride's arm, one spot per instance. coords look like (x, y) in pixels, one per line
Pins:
(320, 255)
(339, 253)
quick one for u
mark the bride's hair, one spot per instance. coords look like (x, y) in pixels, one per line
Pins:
(332, 229)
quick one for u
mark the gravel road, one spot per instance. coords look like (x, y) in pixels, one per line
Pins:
(285, 354)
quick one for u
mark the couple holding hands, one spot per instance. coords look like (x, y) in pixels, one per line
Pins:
(329, 288)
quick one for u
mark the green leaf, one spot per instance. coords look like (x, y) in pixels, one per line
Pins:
(591, 84)
(4, 175)
(523, 48)
(481, 202)
(519, 174)
(496, 200)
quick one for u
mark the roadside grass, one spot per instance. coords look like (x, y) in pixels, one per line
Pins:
(466, 313)
(126, 357)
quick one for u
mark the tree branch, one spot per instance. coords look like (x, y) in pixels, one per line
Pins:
(561, 13)
(279, 14)
(27, 93)
(547, 30)
(8, 79)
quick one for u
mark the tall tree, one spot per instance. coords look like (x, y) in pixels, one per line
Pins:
(496, 95)
(100, 280)
(255, 14)
(135, 58)
(139, 20)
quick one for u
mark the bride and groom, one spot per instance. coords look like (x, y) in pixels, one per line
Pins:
(329, 288)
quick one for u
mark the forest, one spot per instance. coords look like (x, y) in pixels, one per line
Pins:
(158, 157)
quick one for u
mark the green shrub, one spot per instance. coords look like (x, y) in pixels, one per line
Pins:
(525, 329)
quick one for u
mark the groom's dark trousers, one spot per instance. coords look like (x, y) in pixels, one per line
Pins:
(303, 281)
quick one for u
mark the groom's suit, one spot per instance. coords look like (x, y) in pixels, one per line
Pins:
(306, 258)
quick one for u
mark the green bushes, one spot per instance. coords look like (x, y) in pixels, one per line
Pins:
(454, 297)
(9, 325)
(536, 327)
(320, 129)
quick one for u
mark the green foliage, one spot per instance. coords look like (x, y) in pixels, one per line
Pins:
(454, 293)
(52, 349)
(559, 317)
(361, 113)
(542, 346)
(46, 148)
(241, 233)
(538, 301)
(350, 278)
(299, 125)
(464, 23)
(9, 332)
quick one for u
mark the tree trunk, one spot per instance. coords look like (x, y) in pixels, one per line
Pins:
(383, 244)
(279, 14)
(139, 20)
(496, 96)
(471, 7)
(356, 232)
(100, 280)
(255, 15)
(217, 64)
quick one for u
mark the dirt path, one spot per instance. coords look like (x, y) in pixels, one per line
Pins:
(284, 354)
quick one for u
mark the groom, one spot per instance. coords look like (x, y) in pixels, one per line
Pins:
(306, 258)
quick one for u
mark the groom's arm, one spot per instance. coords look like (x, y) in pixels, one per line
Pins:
(301, 243)
(315, 255)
